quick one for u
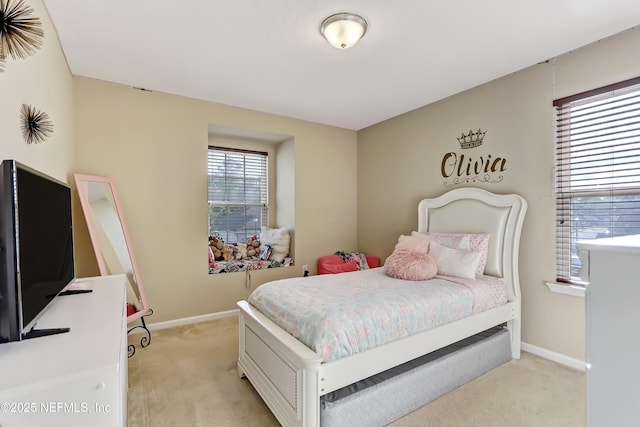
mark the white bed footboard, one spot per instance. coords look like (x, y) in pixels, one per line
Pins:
(290, 377)
(283, 370)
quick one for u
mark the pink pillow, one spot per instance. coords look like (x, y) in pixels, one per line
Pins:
(341, 268)
(480, 243)
(413, 243)
(410, 265)
(450, 240)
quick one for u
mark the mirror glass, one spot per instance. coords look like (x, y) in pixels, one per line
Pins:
(110, 237)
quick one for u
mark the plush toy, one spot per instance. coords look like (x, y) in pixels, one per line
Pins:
(253, 247)
(216, 244)
(241, 251)
(212, 264)
(227, 252)
(217, 254)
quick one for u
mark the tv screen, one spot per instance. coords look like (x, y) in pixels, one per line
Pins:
(37, 242)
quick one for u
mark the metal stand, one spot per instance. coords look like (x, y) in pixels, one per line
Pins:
(145, 340)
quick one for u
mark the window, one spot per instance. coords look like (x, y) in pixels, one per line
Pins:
(597, 170)
(237, 193)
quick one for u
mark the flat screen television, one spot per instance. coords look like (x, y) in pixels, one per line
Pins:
(36, 248)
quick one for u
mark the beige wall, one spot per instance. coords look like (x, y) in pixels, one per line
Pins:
(43, 81)
(399, 164)
(155, 147)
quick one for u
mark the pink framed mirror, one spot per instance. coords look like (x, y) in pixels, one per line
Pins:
(111, 241)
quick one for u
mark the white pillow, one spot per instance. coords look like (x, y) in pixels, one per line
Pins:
(278, 239)
(455, 262)
(467, 241)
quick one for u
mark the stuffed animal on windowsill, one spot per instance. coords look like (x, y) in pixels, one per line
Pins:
(253, 247)
(217, 245)
(227, 252)
(216, 241)
(241, 251)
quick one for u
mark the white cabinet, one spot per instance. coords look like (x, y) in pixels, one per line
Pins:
(612, 331)
(78, 378)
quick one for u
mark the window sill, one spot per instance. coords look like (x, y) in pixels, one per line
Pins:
(566, 289)
(233, 266)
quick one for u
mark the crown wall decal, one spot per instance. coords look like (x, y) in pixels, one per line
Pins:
(472, 139)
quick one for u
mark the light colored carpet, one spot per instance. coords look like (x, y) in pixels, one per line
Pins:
(187, 377)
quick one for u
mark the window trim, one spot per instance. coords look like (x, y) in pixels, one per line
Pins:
(598, 91)
(572, 289)
(237, 150)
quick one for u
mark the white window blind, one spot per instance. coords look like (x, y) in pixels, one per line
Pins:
(237, 193)
(597, 170)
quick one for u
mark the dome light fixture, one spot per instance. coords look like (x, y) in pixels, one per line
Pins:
(343, 30)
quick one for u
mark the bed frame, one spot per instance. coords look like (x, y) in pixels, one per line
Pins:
(291, 378)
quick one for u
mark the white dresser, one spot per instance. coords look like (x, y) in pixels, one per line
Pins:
(612, 331)
(78, 378)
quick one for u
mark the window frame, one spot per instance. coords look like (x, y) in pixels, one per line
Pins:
(565, 193)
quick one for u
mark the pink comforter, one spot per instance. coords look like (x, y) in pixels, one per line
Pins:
(342, 314)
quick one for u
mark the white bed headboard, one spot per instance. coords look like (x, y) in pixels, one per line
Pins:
(473, 210)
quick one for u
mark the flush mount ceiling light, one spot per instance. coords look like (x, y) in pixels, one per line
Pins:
(343, 30)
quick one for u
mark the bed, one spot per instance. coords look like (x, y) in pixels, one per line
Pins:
(291, 378)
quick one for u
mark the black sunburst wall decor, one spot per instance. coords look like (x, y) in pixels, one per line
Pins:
(20, 32)
(35, 124)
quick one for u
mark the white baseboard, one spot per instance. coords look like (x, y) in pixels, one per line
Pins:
(552, 355)
(189, 320)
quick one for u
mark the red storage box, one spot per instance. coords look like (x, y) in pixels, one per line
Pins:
(331, 264)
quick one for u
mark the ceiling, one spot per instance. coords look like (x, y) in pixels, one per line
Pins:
(269, 56)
